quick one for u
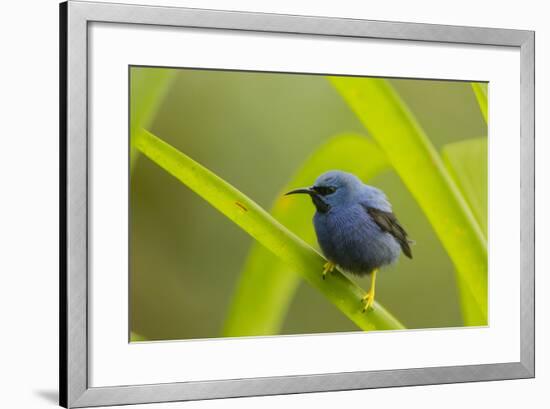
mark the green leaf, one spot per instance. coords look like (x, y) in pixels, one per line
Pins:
(135, 337)
(421, 169)
(481, 91)
(254, 220)
(255, 312)
(466, 162)
(148, 86)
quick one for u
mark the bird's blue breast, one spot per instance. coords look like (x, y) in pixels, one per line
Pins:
(350, 238)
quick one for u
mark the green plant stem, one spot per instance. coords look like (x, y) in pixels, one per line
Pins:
(421, 169)
(248, 215)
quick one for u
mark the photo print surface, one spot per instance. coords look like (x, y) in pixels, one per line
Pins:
(267, 204)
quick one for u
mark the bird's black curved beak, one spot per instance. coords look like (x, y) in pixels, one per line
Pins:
(316, 198)
(307, 190)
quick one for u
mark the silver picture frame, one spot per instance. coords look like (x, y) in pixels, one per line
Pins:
(75, 17)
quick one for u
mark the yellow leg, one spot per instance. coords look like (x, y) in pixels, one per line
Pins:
(328, 268)
(368, 299)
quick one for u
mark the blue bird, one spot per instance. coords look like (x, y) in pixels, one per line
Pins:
(355, 226)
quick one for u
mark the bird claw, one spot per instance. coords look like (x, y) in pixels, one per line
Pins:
(328, 268)
(368, 300)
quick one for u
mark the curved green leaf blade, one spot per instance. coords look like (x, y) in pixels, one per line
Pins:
(248, 215)
(254, 312)
(135, 337)
(421, 169)
(466, 162)
(481, 91)
(147, 90)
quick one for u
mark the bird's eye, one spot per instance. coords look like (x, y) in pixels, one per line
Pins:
(324, 190)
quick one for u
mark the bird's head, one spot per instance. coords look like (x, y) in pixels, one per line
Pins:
(332, 189)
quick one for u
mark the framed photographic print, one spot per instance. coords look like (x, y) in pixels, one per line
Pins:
(258, 204)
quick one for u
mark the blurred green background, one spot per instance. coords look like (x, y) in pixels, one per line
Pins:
(255, 130)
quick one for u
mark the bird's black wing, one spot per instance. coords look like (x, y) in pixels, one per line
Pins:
(389, 223)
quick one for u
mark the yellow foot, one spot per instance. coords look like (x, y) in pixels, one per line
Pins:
(328, 268)
(368, 300)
